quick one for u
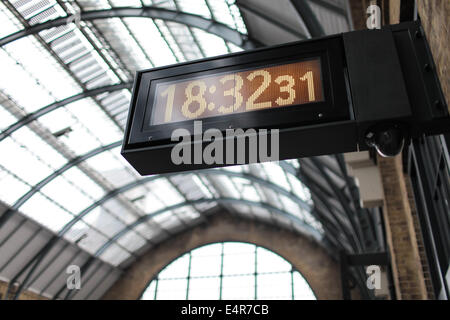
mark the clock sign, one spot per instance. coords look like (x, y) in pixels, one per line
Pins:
(341, 93)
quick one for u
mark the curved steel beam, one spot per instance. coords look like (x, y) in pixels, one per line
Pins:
(58, 104)
(142, 181)
(35, 261)
(149, 216)
(52, 176)
(309, 17)
(152, 12)
(75, 161)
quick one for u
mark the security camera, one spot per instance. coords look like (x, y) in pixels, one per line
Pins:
(388, 140)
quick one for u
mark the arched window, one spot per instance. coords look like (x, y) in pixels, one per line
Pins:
(229, 270)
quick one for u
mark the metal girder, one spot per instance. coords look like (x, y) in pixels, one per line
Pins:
(331, 6)
(35, 261)
(35, 189)
(309, 17)
(267, 206)
(152, 12)
(245, 7)
(53, 176)
(349, 234)
(367, 259)
(149, 216)
(342, 199)
(41, 254)
(58, 104)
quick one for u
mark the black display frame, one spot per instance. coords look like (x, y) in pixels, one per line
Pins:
(334, 107)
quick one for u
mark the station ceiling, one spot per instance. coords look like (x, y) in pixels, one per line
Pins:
(68, 197)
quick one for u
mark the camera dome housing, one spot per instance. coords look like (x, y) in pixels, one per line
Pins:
(388, 140)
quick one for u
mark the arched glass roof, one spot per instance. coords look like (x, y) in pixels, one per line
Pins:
(66, 74)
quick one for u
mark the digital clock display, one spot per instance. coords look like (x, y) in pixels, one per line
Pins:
(242, 91)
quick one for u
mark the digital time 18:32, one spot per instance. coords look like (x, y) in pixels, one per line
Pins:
(250, 90)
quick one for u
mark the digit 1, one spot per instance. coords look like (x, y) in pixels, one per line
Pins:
(170, 92)
(310, 78)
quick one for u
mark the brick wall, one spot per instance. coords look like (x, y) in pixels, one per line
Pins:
(401, 232)
(26, 295)
(419, 238)
(435, 20)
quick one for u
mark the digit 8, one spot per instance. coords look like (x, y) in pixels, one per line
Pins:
(194, 98)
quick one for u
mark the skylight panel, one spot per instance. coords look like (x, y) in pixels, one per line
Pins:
(166, 33)
(202, 186)
(262, 213)
(94, 4)
(294, 162)
(129, 3)
(164, 191)
(6, 118)
(162, 3)
(148, 231)
(36, 96)
(211, 44)
(238, 169)
(11, 188)
(46, 212)
(197, 7)
(185, 40)
(187, 213)
(62, 192)
(167, 220)
(242, 209)
(105, 161)
(235, 13)
(131, 241)
(118, 177)
(227, 14)
(80, 140)
(22, 162)
(8, 22)
(291, 207)
(57, 120)
(225, 186)
(124, 44)
(157, 49)
(114, 255)
(299, 189)
(152, 203)
(276, 174)
(233, 47)
(102, 220)
(117, 209)
(80, 179)
(246, 189)
(92, 241)
(92, 117)
(37, 146)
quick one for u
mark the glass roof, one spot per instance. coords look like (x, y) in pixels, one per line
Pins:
(65, 61)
